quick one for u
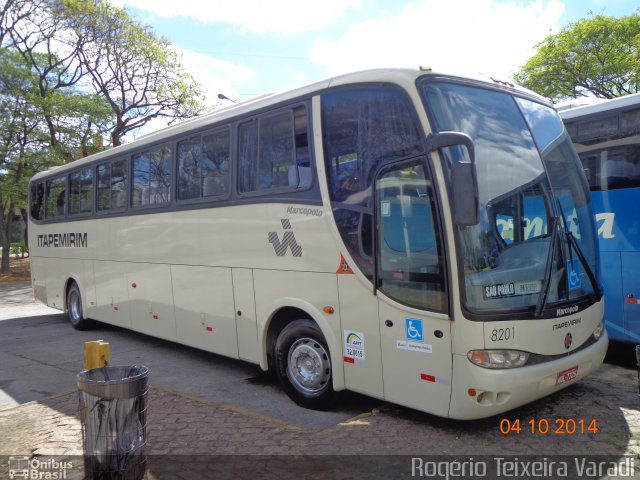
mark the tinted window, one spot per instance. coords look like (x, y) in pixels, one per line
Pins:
(274, 152)
(248, 156)
(612, 168)
(37, 201)
(56, 197)
(190, 169)
(301, 176)
(363, 128)
(411, 263)
(81, 191)
(112, 185)
(203, 166)
(216, 151)
(152, 177)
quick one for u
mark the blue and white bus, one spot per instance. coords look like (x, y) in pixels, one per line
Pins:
(607, 138)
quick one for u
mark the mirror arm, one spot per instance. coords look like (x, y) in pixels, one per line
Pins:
(450, 139)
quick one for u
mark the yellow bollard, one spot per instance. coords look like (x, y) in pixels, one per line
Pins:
(96, 354)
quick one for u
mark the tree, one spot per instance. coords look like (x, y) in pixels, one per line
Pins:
(12, 13)
(29, 119)
(597, 56)
(71, 69)
(137, 72)
(20, 134)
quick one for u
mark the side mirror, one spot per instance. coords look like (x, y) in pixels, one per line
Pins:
(464, 180)
(464, 193)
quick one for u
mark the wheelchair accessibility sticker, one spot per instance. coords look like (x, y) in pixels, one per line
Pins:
(414, 337)
(573, 274)
(413, 330)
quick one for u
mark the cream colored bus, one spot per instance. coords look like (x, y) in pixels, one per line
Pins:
(365, 233)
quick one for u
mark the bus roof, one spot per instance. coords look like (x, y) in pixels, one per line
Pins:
(399, 75)
(614, 104)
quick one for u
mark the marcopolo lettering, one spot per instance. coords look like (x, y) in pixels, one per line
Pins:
(560, 312)
(63, 240)
(312, 212)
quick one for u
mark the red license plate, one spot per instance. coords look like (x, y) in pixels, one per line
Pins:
(567, 375)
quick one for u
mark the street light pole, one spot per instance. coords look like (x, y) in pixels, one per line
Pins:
(222, 96)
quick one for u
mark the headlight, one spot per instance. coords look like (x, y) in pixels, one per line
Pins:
(498, 358)
(597, 333)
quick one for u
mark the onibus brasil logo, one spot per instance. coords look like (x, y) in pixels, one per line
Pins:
(38, 468)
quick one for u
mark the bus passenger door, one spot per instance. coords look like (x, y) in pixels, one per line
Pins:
(415, 329)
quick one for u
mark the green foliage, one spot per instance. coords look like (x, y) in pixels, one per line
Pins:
(72, 71)
(597, 56)
(139, 73)
(18, 248)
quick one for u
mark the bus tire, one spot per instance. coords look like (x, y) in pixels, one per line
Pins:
(74, 308)
(303, 365)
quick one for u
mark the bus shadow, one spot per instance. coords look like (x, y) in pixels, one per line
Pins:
(622, 354)
(40, 357)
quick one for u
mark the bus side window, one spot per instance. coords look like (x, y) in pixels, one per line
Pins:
(612, 168)
(276, 150)
(118, 184)
(56, 197)
(248, 156)
(189, 168)
(623, 167)
(300, 174)
(152, 177)
(363, 127)
(273, 152)
(37, 201)
(216, 152)
(81, 191)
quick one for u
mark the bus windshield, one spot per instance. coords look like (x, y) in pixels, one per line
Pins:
(529, 184)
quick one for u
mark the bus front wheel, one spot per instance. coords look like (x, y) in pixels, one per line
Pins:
(74, 308)
(303, 365)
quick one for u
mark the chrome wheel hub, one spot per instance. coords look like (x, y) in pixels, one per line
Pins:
(309, 367)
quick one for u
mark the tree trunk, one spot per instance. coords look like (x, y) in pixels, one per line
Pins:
(4, 269)
(25, 232)
(5, 240)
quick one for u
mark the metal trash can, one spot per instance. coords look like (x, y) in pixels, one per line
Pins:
(113, 408)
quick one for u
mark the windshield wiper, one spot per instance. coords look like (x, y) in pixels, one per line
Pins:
(544, 293)
(584, 262)
(573, 242)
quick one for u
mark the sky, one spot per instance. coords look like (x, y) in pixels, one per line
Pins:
(244, 48)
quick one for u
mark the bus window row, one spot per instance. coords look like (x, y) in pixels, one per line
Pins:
(272, 156)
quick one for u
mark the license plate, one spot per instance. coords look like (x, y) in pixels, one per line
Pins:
(567, 375)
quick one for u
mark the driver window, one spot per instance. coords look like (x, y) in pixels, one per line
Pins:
(410, 259)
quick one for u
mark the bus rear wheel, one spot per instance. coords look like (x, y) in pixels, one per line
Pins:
(303, 365)
(74, 308)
